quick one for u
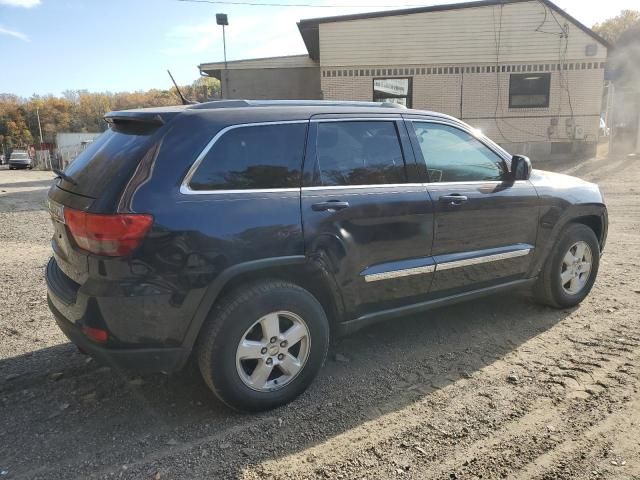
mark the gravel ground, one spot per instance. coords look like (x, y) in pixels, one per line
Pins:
(498, 388)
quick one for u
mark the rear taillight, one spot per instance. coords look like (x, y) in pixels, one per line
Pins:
(111, 235)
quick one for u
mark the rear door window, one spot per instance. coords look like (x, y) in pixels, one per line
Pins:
(253, 157)
(358, 153)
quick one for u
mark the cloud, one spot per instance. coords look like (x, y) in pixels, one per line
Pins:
(185, 39)
(272, 32)
(20, 3)
(13, 33)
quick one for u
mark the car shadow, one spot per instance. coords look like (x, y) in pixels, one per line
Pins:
(55, 401)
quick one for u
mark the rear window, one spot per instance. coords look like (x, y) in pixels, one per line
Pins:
(109, 156)
(253, 157)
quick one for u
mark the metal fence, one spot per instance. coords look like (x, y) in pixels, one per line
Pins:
(54, 157)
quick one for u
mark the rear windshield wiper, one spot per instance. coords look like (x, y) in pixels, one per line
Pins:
(65, 177)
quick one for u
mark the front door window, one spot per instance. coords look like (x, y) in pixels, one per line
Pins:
(453, 155)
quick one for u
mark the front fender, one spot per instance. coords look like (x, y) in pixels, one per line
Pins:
(555, 219)
(564, 199)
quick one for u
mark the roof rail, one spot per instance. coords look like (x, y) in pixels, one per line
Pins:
(219, 104)
(291, 103)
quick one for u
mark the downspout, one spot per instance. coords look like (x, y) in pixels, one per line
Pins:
(461, 89)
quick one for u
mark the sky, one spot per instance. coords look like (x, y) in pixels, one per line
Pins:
(48, 46)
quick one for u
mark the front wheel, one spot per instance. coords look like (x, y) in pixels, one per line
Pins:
(571, 269)
(263, 345)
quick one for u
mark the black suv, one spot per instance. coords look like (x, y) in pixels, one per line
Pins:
(248, 232)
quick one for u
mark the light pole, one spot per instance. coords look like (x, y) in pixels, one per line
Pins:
(221, 19)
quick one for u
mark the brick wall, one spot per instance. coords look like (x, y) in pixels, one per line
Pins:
(575, 96)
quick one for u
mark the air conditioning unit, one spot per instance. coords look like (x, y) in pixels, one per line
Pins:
(578, 132)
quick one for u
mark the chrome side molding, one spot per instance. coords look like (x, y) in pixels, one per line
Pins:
(485, 259)
(374, 277)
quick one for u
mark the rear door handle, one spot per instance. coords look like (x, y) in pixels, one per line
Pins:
(453, 199)
(329, 206)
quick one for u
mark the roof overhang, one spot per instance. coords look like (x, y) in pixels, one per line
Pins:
(289, 61)
(310, 28)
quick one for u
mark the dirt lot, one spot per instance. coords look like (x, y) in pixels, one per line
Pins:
(500, 388)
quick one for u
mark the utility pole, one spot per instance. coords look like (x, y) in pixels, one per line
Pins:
(611, 117)
(638, 136)
(222, 19)
(39, 127)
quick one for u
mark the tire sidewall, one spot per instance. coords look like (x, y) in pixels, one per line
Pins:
(225, 378)
(573, 234)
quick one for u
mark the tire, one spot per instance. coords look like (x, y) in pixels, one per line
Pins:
(550, 289)
(239, 317)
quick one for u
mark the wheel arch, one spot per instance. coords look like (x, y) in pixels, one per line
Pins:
(305, 272)
(593, 216)
(595, 223)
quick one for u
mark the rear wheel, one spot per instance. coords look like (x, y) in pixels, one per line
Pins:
(263, 345)
(571, 269)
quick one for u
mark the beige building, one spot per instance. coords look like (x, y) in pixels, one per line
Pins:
(526, 73)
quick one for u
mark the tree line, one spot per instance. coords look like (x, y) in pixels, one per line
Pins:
(82, 111)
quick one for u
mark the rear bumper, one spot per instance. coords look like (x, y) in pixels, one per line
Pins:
(73, 310)
(143, 360)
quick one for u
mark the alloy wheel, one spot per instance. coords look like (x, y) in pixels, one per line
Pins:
(273, 351)
(576, 268)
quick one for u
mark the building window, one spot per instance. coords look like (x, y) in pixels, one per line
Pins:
(394, 90)
(529, 90)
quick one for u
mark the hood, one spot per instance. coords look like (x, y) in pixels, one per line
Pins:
(570, 188)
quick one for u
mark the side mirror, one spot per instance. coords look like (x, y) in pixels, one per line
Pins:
(520, 167)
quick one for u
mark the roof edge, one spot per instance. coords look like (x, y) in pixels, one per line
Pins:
(243, 60)
(309, 28)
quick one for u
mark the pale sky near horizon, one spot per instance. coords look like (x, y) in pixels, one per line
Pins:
(48, 46)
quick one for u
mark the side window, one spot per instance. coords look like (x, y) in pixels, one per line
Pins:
(260, 156)
(358, 153)
(453, 155)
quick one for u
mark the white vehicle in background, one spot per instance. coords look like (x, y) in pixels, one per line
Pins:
(20, 159)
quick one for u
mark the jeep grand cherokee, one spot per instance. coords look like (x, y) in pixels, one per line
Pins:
(248, 232)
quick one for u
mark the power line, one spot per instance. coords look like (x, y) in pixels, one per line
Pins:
(311, 5)
(497, 37)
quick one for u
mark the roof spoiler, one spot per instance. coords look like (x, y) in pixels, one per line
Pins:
(136, 122)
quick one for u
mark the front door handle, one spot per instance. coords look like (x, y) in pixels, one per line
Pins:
(453, 199)
(329, 206)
